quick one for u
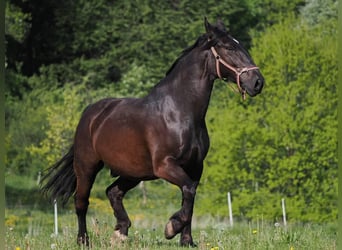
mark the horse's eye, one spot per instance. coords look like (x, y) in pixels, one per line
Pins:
(231, 48)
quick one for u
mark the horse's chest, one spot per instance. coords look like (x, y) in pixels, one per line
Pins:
(194, 147)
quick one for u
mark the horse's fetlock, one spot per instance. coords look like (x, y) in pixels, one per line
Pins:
(83, 240)
(187, 241)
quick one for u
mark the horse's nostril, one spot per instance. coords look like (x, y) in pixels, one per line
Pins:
(258, 85)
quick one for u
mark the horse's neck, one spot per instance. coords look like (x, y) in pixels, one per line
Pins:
(189, 85)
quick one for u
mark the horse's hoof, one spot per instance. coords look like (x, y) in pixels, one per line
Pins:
(169, 230)
(188, 244)
(83, 240)
(118, 235)
(186, 241)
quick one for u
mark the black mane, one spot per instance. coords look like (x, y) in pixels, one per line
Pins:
(199, 42)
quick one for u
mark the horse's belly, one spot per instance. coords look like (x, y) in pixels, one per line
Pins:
(125, 152)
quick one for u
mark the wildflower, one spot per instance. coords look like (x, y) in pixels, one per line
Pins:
(214, 248)
(17, 248)
(255, 231)
(291, 248)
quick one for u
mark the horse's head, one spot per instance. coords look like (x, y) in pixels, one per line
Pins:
(232, 61)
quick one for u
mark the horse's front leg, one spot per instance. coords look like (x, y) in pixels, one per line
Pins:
(195, 174)
(169, 170)
(181, 220)
(186, 237)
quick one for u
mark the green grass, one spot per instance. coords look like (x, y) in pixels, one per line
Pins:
(27, 229)
(29, 225)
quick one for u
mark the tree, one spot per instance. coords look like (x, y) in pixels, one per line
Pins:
(105, 37)
(95, 45)
(282, 143)
(270, 12)
(61, 56)
(318, 11)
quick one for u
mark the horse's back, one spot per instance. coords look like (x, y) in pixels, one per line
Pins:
(90, 114)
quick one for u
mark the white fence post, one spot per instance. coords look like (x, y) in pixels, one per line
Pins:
(230, 209)
(284, 211)
(56, 217)
(39, 177)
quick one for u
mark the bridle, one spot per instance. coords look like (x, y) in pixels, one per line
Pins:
(238, 72)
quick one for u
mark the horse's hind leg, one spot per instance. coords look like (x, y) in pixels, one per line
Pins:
(86, 172)
(115, 193)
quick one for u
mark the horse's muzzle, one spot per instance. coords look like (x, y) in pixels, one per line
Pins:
(259, 84)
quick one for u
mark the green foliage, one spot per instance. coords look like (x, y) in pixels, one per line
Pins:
(48, 116)
(25, 125)
(16, 24)
(318, 11)
(66, 31)
(270, 12)
(62, 56)
(61, 121)
(283, 143)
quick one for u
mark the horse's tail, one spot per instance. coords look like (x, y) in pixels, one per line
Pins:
(61, 179)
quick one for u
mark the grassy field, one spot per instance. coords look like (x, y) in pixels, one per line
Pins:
(33, 229)
(29, 225)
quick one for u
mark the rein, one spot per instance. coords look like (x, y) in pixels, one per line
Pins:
(238, 72)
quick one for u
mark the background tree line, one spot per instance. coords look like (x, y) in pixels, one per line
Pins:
(61, 56)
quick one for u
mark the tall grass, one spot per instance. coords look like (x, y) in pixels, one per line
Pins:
(29, 224)
(34, 230)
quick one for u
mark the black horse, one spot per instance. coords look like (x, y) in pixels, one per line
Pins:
(162, 135)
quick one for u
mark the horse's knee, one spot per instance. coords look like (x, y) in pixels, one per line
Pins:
(109, 190)
(113, 192)
(190, 191)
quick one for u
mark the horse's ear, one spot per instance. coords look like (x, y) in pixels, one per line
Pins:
(208, 27)
(211, 34)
